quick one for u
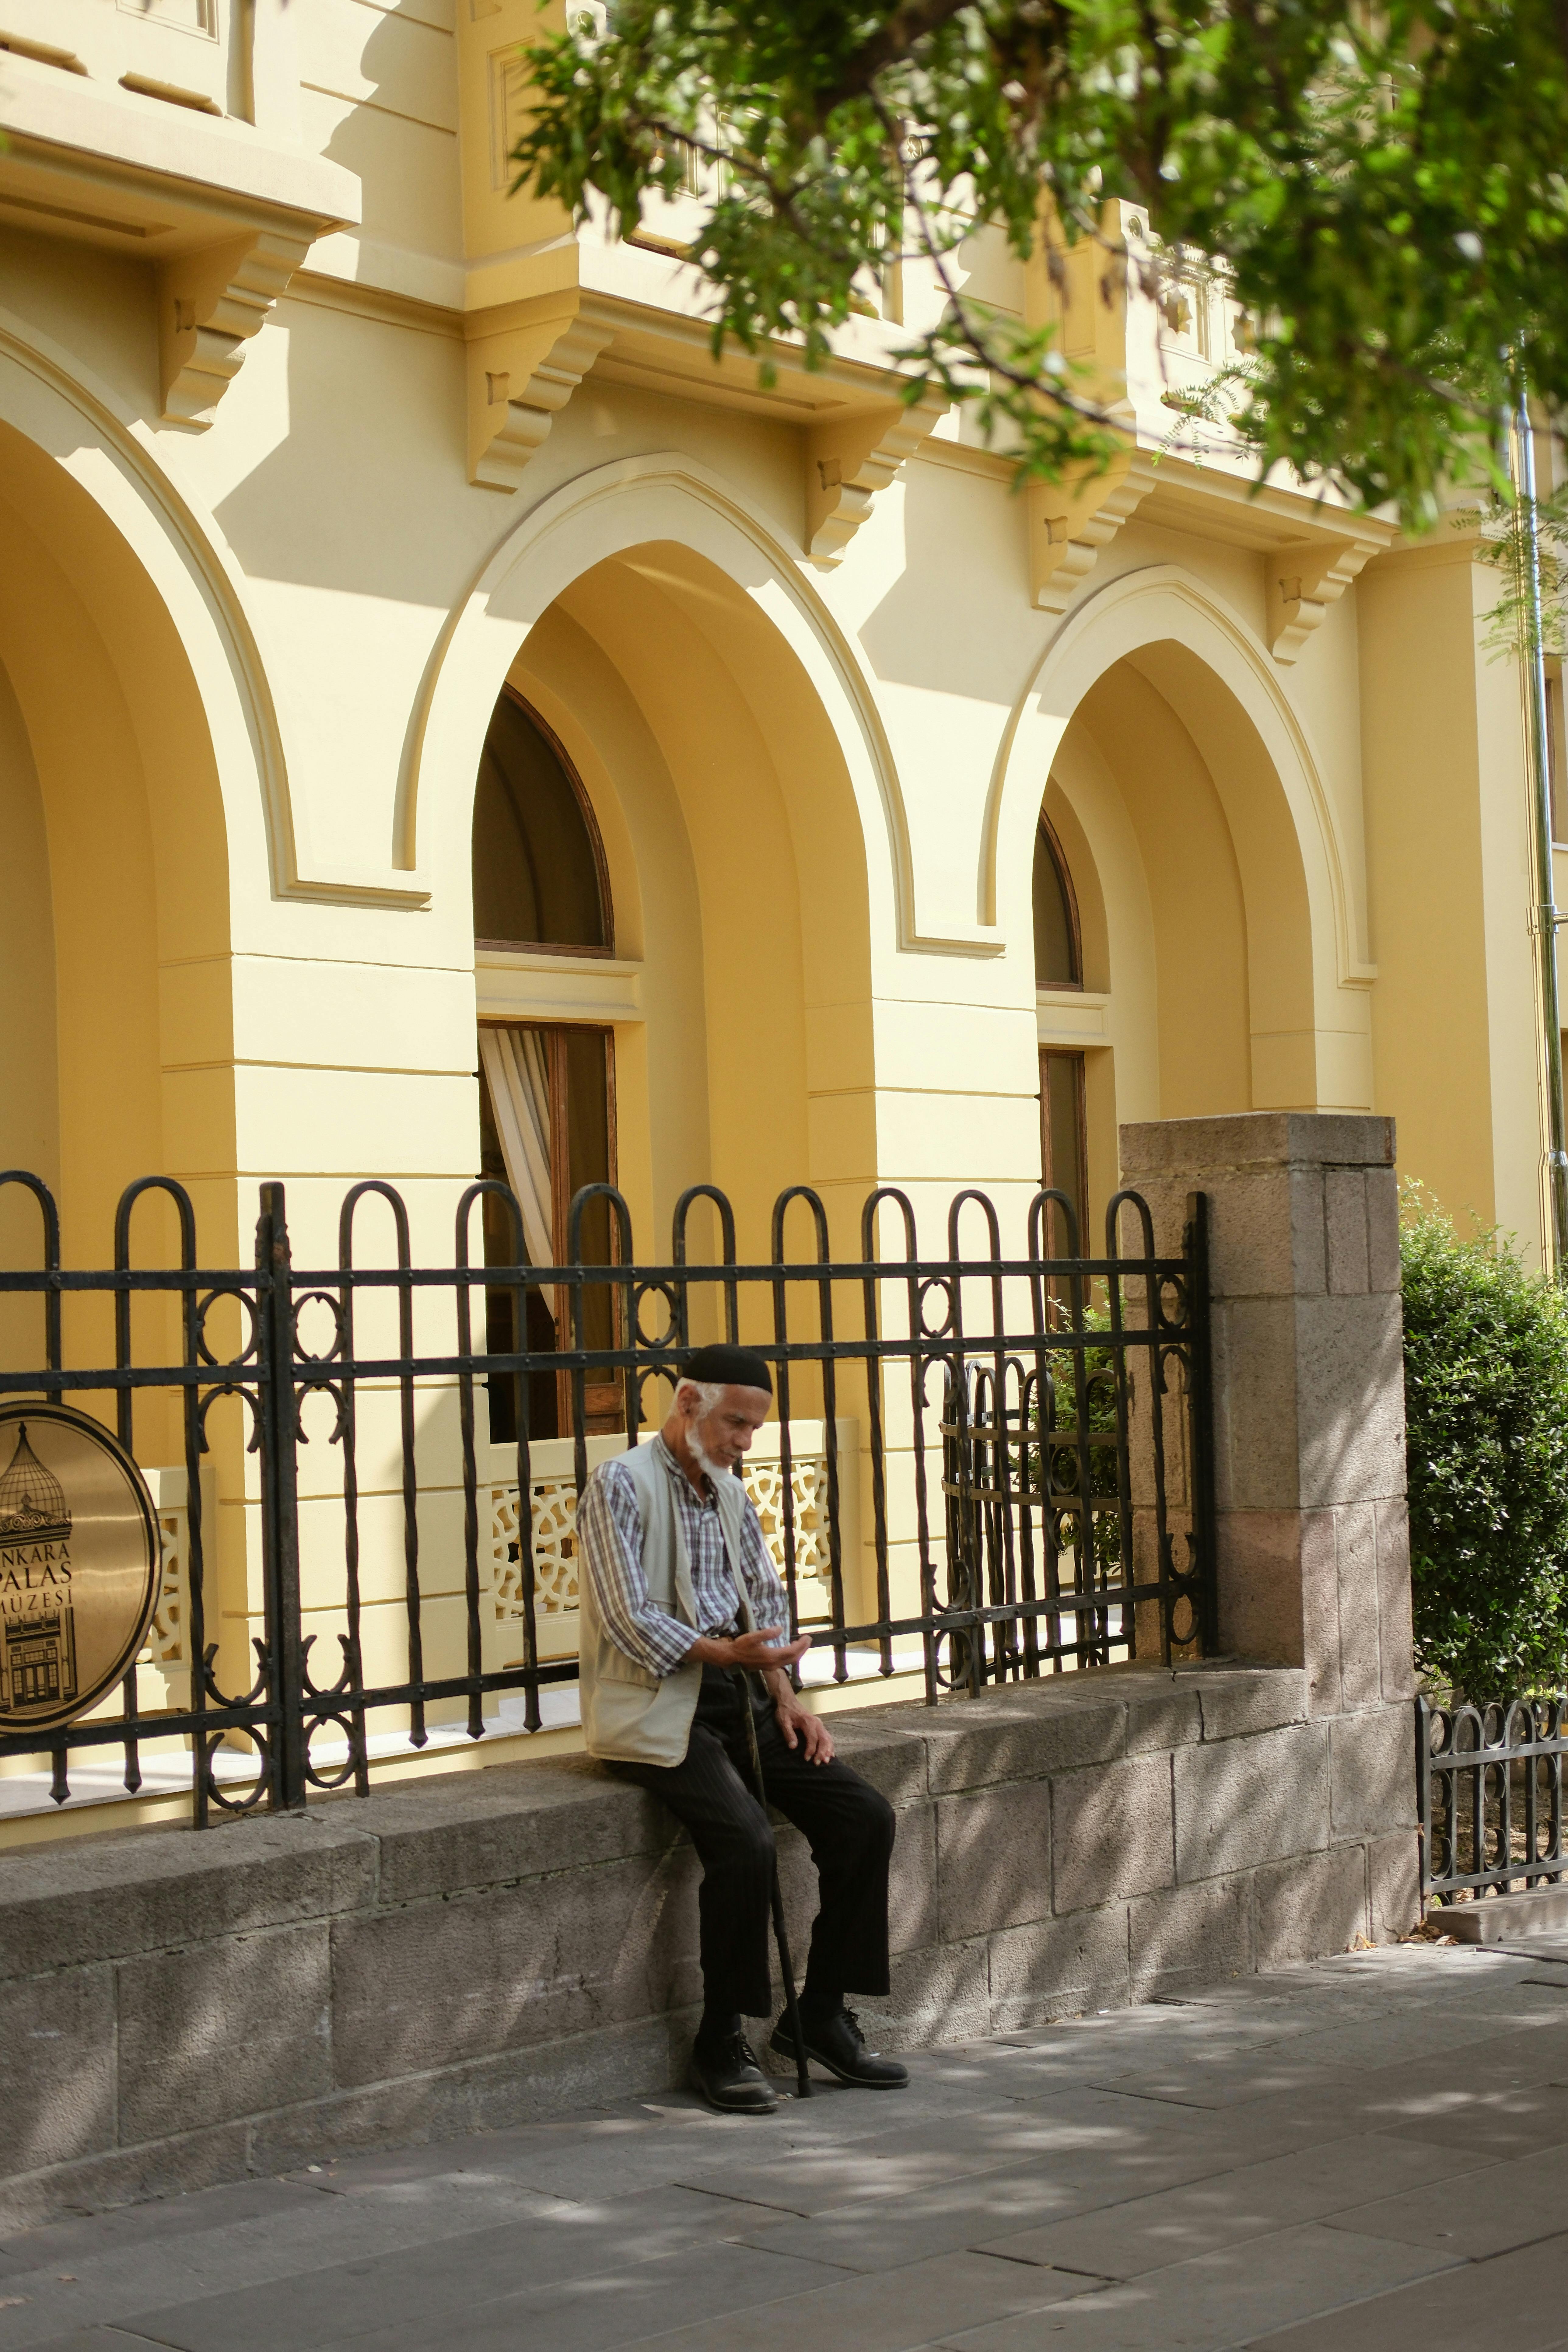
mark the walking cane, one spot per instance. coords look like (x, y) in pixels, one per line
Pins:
(781, 1935)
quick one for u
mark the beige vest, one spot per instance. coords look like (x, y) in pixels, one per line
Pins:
(629, 1716)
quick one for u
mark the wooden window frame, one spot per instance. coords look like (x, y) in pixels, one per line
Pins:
(1080, 1090)
(1069, 898)
(596, 842)
(601, 1399)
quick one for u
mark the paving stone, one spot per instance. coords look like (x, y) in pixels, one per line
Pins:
(1228, 2297)
(968, 2212)
(92, 2339)
(241, 2264)
(1499, 2123)
(892, 2312)
(1233, 2079)
(65, 2243)
(417, 2272)
(1477, 2213)
(1309, 2185)
(822, 2180)
(1391, 2037)
(591, 2314)
(1517, 2300)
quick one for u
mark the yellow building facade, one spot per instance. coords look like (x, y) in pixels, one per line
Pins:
(435, 696)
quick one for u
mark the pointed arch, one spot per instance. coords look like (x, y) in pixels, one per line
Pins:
(658, 498)
(1301, 889)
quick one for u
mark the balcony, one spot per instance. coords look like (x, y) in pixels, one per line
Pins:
(1149, 355)
(167, 131)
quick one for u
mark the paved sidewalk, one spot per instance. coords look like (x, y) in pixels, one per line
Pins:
(1366, 2155)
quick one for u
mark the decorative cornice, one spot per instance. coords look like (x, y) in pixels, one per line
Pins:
(849, 461)
(525, 361)
(210, 303)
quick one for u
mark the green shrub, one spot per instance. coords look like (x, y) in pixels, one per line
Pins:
(1486, 1400)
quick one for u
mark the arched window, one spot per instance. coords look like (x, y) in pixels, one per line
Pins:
(539, 869)
(1058, 961)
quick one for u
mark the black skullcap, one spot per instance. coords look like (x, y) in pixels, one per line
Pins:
(736, 1367)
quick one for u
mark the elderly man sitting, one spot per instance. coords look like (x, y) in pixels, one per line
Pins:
(682, 1624)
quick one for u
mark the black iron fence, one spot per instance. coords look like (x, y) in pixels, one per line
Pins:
(1009, 1467)
(1491, 1789)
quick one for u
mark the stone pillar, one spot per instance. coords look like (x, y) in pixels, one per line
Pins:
(1309, 1415)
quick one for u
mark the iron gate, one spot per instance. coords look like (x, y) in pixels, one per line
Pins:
(1489, 1783)
(1035, 1467)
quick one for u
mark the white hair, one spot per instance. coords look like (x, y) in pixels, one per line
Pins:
(708, 1393)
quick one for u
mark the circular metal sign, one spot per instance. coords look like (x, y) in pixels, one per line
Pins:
(79, 1557)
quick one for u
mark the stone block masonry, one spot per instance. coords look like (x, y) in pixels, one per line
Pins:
(490, 1947)
(1309, 1387)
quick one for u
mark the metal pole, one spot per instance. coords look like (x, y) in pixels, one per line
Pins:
(1540, 800)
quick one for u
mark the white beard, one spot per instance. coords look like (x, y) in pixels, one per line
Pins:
(705, 1462)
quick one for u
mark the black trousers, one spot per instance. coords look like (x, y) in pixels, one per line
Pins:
(847, 1822)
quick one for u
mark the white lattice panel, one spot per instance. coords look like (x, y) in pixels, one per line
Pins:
(555, 1549)
(165, 1653)
(808, 1495)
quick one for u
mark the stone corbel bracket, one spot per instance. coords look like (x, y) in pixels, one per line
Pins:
(1070, 522)
(210, 303)
(1303, 579)
(849, 461)
(525, 361)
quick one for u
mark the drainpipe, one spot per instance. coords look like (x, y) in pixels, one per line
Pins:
(1546, 915)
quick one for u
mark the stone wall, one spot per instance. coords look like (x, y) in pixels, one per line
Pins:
(488, 1946)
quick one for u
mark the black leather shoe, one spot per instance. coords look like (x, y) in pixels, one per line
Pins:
(837, 2044)
(730, 2079)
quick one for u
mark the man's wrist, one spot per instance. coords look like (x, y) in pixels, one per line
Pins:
(711, 1649)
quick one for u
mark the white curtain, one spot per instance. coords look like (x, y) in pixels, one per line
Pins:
(519, 1078)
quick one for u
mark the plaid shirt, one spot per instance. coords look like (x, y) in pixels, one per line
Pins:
(609, 1533)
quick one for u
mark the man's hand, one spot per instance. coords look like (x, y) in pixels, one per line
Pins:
(758, 1653)
(804, 1730)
